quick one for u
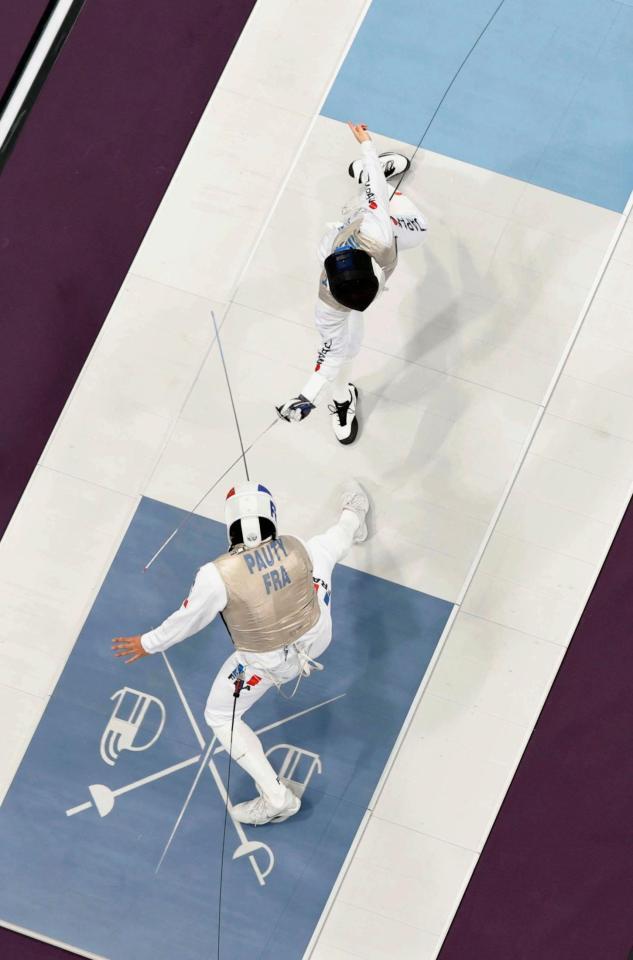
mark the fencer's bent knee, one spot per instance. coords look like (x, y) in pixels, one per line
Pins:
(215, 718)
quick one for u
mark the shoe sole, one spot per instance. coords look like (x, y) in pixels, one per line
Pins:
(350, 169)
(402, 172)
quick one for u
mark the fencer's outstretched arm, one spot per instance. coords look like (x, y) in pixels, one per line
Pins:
(206, 599)
(376, 224)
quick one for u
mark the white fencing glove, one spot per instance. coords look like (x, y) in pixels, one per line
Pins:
(296, 408)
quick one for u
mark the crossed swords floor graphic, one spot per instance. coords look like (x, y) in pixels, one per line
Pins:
(103, 798)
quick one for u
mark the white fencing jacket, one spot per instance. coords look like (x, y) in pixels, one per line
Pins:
(372, 204)
(206, 599)
(379, 225)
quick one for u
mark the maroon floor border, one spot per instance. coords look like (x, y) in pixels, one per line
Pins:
(16, 29)
(14, 946)
(77, 195)
(79, 190)
(555, 879)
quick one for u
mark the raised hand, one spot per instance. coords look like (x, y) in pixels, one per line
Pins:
(359, 130)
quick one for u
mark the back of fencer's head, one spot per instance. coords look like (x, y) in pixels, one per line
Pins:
(250, 514)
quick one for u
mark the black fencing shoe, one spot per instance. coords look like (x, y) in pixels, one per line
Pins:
(393, 165)
(344, 421)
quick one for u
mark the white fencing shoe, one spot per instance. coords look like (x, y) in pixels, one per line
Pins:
(355, 498)
(344, 421)
(393, 165)
(259, 811)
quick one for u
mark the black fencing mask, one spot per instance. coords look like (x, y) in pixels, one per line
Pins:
(351, 278)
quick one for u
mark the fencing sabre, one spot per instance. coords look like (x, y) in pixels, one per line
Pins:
(242, 456)
(205, 495)
(446, 92)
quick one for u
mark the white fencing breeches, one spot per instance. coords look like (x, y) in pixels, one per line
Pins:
(265, 670)
(341, 330)
(341, 335)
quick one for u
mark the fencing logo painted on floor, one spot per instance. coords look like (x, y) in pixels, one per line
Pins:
(95, 849)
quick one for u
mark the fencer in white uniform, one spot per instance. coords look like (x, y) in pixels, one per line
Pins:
(359, 253)
(273, 592)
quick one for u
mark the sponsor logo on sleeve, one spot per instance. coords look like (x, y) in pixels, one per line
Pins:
(370, 196)
(408, 223)
(323, 352)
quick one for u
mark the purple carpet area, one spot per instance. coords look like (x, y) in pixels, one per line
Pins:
(555, 879)
(17, 25)
(13, 946)
(80, 188)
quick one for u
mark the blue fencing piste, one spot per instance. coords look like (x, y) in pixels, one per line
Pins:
(545, 95)
(100, 789)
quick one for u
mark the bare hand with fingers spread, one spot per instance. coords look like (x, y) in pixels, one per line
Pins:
(130, 647)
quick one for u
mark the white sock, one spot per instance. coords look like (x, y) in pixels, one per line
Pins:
(340, 386)
(350, 522)
(338, 539)
(247, 750)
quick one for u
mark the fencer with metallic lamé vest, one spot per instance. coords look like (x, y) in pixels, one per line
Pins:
(271, 597)
(350, 235)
